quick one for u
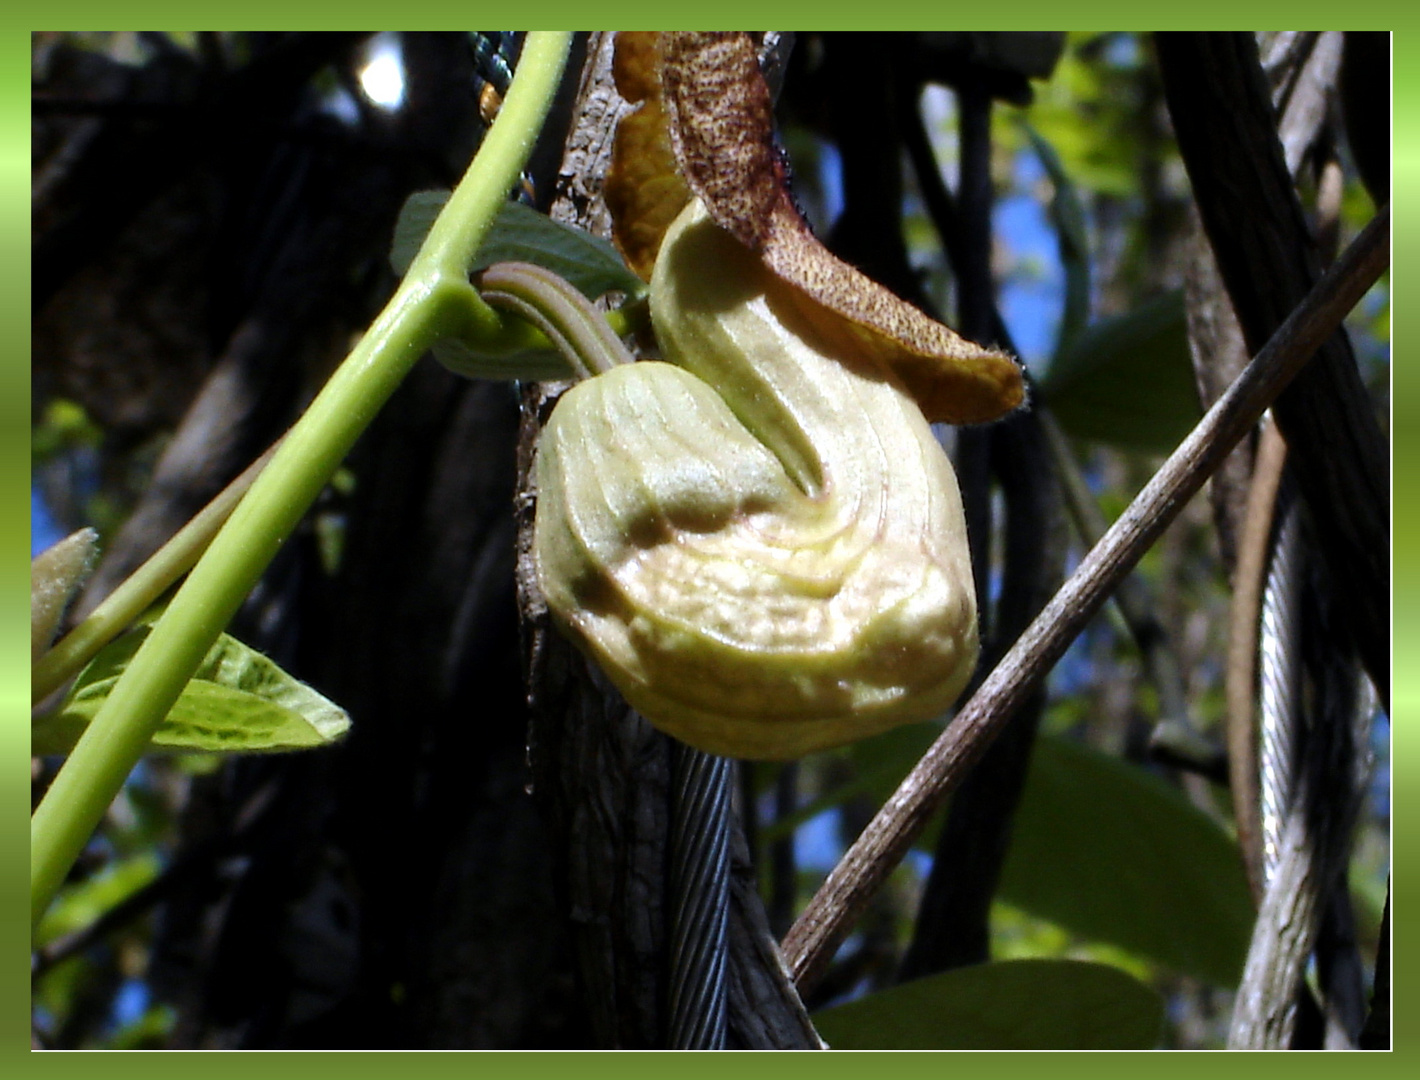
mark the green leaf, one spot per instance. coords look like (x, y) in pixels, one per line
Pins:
(81, 905)
(521, 234)
(416, 218)
(56, 575)
(1114, 854)
(237, 702)
(1127, 380)
(588, 263)
(1013, 1005)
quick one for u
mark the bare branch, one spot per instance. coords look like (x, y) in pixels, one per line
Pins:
(830, 915)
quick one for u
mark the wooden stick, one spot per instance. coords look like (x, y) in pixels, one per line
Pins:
(830, 915)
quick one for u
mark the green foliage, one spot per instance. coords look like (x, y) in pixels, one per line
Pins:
(80, 905)
(62, 427)
(1116, 855)
(1100, 847)
(520, 234)
(1067, 216)
(150, 1031)
(1128, 380)
(237, 702)
(1012, 1005)
(1089, 111)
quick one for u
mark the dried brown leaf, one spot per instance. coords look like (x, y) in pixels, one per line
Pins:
(722, 133)
(644, 190)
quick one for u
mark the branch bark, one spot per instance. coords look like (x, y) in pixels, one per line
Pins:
(601, 770)
(830, 915)
(1224, 122)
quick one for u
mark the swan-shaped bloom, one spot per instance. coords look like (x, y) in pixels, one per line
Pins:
(759, 540)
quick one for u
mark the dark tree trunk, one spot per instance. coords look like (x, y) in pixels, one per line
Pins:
(605, 773)
(1227, 132)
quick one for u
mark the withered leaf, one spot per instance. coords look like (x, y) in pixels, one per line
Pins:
(721, 130)
(644, 190)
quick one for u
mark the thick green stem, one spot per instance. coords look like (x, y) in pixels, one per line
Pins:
(431, 303)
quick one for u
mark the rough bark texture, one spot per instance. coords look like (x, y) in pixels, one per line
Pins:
(1219, 100)
(1224, 121)
(602, 771)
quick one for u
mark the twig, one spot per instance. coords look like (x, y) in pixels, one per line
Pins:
(142, 588)
(1226, 130)
(1241, 678)
(1175, 740)
(831, 913)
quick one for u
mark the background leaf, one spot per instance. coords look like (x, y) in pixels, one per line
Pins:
(1114, 854)
(532, 364)
(1127, 380)
(416, 218)
(1067, 218)
(82, 904)
(237, 702)
(521, 234)
(1013, 1005)
(1100, 847)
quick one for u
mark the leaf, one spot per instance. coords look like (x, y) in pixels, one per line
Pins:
(532, 364)
(588, 263)
(1099, 847)
(416, 218)
(703, 96)
(1128, 380)
(644, 190)
(1012, 1005)
(237, 702)
(1114, 854)
(521, 234)
(56, 575)
(82, 904)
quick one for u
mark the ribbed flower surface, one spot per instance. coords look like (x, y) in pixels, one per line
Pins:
(759, 540)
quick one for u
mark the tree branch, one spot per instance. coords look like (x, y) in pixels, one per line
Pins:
(830, 915)
(1227, 134)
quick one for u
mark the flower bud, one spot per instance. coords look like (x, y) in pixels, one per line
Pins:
(759, 540)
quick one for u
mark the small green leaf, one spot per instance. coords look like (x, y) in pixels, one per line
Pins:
(81, 905)
(1127, 380)
(56, 575)
(588, 263)
(521, 234)
(237, 702)
(1114, 854)
(416, 218)
(1013, 1005)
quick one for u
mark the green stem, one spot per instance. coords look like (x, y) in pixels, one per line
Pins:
(140, 590)
(580, 332)
(431, 303)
